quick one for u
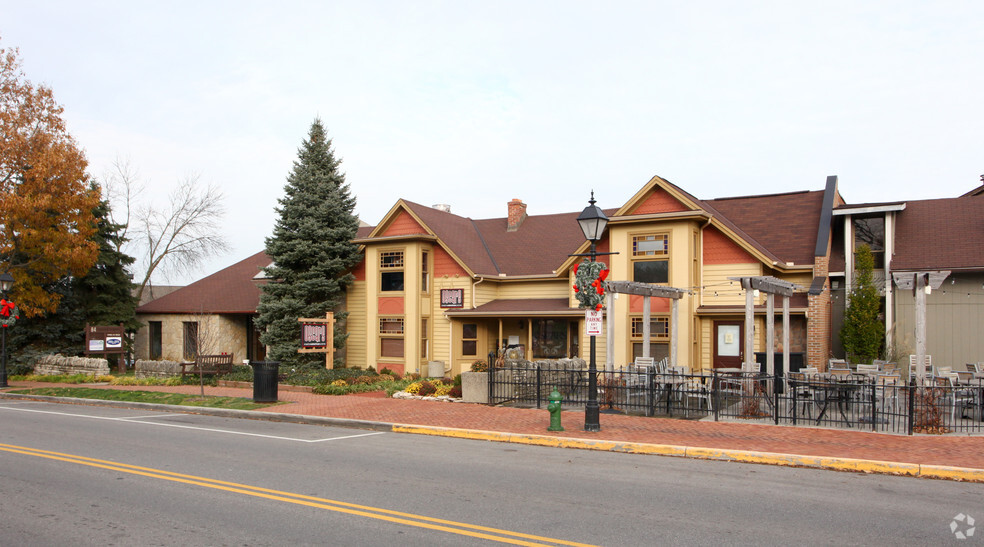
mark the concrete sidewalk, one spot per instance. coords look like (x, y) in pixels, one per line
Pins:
(942, 457)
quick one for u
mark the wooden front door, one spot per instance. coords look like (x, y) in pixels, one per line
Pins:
(729, 342)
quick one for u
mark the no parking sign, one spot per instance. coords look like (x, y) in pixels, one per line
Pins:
(593, 321)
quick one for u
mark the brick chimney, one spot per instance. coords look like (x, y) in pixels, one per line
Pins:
(517, 214)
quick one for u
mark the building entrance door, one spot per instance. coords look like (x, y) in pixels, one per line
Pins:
(728, 344)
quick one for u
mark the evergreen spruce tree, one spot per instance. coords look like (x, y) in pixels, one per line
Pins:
(863, 333)
(312, 252)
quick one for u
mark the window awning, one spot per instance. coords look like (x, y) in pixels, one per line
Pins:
(522, 307)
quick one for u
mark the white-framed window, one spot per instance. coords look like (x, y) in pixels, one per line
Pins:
(651, 258)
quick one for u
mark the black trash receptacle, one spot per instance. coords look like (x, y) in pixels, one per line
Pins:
(265, 381)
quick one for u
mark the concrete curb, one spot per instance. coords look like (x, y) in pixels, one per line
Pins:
(741, 456)
(928, 471)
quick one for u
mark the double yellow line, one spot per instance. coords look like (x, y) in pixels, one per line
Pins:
(408, 519)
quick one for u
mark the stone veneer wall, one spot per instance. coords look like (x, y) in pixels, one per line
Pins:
(59, 364)
(226, 332)
(157, 369)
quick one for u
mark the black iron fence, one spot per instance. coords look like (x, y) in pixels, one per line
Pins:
(882, 404)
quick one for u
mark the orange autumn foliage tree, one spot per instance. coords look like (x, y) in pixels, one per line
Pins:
(46, 203)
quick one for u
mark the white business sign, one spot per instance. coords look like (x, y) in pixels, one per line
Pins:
(593, 321)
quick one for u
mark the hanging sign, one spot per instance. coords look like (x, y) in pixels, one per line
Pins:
(593, 321)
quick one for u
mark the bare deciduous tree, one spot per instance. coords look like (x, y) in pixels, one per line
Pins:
(173, 239)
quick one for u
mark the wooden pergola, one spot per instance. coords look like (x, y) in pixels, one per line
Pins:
(771, 286)
(922, 283)
(648, 291)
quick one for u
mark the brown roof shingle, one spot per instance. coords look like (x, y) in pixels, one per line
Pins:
(940, 234)
(228, 291)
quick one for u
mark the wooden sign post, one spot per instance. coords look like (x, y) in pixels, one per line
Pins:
(318, 336)
(105, 340)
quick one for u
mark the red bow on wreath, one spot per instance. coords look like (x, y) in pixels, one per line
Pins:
(6, 306)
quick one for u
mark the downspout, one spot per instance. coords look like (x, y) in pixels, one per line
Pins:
(480, 279)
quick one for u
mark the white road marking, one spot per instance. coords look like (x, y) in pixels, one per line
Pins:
(134, 420)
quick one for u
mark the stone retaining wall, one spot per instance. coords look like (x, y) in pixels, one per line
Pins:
(157, 369)
(59, 364)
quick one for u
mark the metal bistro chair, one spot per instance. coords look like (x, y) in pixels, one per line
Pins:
(636, 381)
(958, 396)
(887, 390)
(804, 392)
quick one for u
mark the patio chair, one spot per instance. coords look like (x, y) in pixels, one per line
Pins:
(837, 364)
(697, 386)
(870, 370)
(637, 380)
(927, 360)
(803, 391)
(957, 396)
(887, 389)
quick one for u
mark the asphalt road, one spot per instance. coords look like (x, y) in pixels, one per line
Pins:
(85, 475)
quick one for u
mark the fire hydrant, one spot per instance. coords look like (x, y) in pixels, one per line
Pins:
(554, 409)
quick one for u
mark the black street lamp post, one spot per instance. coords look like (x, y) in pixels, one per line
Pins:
(593, 222)
(6, 282)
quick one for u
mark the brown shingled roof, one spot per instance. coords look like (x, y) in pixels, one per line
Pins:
(783, 225)
(940, 234)
(228, 291)
(541, 244)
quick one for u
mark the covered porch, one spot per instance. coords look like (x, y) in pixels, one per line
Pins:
(529, 329)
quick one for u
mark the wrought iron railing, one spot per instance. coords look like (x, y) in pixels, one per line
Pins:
(853, 401)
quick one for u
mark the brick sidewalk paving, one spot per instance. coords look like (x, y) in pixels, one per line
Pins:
(958, 451)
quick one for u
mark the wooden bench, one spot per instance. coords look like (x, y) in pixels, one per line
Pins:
(208, 364)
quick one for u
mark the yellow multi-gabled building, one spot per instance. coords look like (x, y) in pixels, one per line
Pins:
(435, 286)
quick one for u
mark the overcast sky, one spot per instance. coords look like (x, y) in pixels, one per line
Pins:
(474, 103)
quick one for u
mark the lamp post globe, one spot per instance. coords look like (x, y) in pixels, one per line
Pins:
(593, 222)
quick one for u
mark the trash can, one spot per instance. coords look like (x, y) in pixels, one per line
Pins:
(265, 381)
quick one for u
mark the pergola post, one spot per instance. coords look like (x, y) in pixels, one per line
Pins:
(610, 335)
(749, 327)
(770, 334)
(785, 336)
(646, 326)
